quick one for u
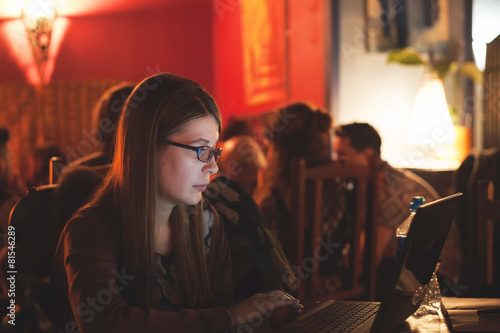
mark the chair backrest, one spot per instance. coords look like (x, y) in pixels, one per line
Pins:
(36, 236)
(38, 219)
(488, 213)
(306, 214)
(479, 165)
(33, 216)
(56, 166)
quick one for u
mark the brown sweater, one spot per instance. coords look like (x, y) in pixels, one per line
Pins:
(97, 280)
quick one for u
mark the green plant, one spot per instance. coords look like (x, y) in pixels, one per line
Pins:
(409, 56)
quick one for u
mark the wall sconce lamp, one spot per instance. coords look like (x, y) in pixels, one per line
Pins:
(38, 17)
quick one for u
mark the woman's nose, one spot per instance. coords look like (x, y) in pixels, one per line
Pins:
(211, 167)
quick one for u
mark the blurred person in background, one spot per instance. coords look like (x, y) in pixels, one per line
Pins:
(10, 190)
(105, 117)
(243, 161)
(359, 143)
(302, 131)
(259, 263)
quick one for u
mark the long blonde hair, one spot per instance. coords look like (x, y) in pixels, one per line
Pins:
(157, 108)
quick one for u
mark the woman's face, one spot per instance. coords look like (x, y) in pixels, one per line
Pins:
(182, 177)
(319, 150)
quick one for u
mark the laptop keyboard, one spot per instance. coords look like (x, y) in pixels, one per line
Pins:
(340, 316)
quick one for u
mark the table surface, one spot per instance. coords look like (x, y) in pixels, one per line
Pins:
(437, 322)
(427, 323)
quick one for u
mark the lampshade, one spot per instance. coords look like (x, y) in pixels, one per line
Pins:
(38, 17)
(431, 123)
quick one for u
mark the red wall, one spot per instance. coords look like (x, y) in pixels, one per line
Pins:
(308, 57)
(176, 38)
(309, 63)
(228, 63)
(195, 39)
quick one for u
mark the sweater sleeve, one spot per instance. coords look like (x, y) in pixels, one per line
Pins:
(95, 283)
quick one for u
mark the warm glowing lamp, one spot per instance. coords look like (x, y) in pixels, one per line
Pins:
(38, 17)
(431, 121)
(431, 133)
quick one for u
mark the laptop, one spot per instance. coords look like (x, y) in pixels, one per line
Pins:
(414, 267)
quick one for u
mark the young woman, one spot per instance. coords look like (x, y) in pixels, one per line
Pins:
(145, 255)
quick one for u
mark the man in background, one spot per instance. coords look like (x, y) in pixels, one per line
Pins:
(359, 143)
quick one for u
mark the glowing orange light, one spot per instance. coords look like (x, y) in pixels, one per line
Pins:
(15, 34)
(38, 17)
(60, 27)
(431, 118)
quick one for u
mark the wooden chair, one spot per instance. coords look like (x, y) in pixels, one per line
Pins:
(56, 167)
(38, 219)
(32, 222)
(479, 165)
(488, 213)
(307, 220)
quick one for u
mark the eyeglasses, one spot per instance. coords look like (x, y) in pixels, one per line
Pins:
(205, 153)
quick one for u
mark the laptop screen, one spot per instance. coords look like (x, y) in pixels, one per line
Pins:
(416, 262)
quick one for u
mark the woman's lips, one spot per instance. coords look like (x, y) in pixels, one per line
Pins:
(200, 188)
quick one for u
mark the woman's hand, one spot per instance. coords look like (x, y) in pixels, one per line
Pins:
(275, 306)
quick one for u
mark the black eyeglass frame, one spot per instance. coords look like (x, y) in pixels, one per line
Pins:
(214, 153)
